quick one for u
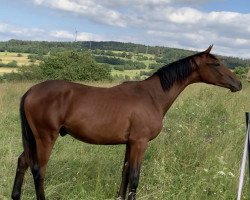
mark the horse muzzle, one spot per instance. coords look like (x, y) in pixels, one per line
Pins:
(235, 87)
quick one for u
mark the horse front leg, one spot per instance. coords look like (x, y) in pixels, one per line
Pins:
(137, 151)
(125, 175)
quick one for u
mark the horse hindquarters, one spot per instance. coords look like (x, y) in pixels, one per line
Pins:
(36, 154)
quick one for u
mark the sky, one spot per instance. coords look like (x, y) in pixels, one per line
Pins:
(188, 24)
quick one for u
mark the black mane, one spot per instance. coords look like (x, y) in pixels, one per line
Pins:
(176, 71)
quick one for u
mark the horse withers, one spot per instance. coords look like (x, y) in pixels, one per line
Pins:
(130, 113)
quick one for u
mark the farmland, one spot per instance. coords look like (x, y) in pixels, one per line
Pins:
(7, 57)
(22, 59)
(126, 60)
(197, 155)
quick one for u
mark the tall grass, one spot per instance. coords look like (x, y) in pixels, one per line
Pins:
(196, 156)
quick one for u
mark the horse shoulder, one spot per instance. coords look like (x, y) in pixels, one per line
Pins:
(146, 121)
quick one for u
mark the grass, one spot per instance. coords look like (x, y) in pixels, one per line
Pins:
(197, 155)
(150, 57)
(130, 73)
(7, 57)
(6, 70)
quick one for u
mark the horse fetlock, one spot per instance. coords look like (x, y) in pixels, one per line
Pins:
(131, 196)
(16, 195)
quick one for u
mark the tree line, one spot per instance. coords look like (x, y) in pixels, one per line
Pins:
(163, 54)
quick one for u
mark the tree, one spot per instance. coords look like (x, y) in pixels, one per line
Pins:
(241, 71)
(74, 66)
(248, 75)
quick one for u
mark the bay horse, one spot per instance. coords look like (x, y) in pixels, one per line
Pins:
(130, 113)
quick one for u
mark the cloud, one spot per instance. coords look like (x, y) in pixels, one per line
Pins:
(186, 27)
(62, 35)
(86, 8)
(10, 31)
(81, 36)
(175, 23)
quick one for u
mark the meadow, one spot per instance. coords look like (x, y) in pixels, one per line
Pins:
(129, 73)
(22, 59)
(196, 156)
(7, 57)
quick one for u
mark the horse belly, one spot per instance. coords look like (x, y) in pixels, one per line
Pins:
(100, 133)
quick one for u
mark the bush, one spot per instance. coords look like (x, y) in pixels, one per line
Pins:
(35, 57)
(141, 57)
(128, 64)
(30, 72)
(147, 73)
(67, 66)
(241, 71)
(74, 66)
(19, 55)
(127, 77)
(109, 60)
(13, 76)
(119, 67)
(12, 64)
(32, 60)
(155, 65)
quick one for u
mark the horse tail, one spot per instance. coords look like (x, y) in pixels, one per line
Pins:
(29, 142)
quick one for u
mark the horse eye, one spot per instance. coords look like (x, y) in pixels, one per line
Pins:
(214, 64)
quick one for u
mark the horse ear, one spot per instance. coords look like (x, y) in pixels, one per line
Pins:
(208, 49)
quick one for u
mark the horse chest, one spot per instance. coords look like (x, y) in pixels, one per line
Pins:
(145, 126)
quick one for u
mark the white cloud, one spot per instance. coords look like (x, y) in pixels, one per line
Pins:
(87, 8)
(155, 22)
(81, 36)
(10, 31)
(61, 34)
(184, 15)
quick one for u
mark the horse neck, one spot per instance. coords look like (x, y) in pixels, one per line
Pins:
(164, 99)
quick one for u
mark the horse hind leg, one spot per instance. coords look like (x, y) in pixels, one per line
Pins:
(22, 166)
(39, 164)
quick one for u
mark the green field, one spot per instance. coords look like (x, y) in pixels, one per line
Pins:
(7, 57)
(135, 57)
(131, 73)
(6, 70)
(197, 155)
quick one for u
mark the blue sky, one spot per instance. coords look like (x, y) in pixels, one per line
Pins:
(189, 24)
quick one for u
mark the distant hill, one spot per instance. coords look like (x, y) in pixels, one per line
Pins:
(163, 54)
